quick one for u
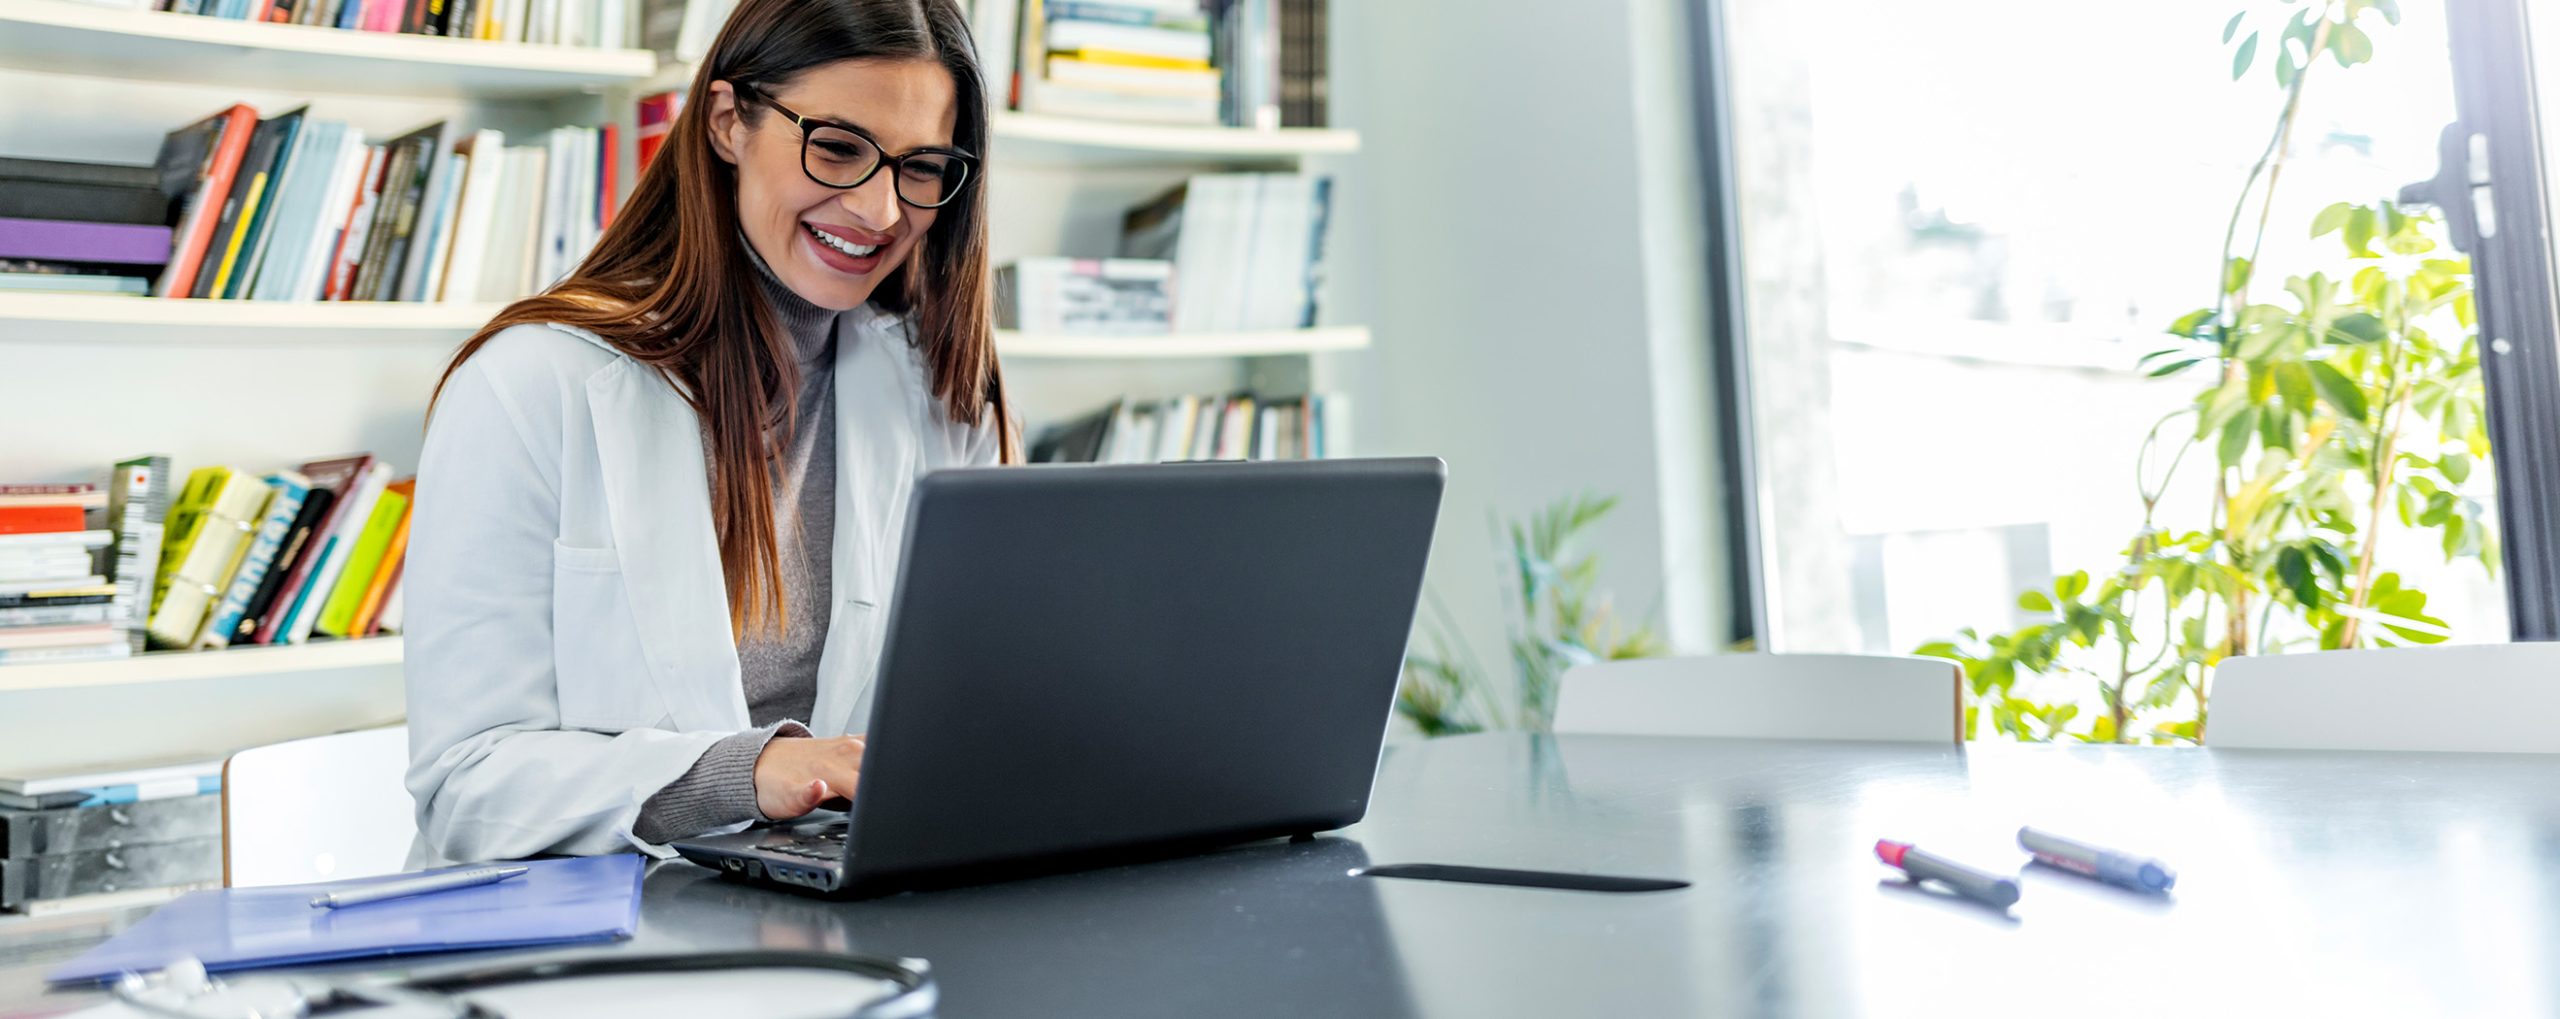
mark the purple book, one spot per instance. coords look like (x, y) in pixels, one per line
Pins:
(58, 240)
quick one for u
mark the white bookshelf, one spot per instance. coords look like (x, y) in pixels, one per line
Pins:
(1027, 137)
(177, 666)
(72, 38)
(149, 321)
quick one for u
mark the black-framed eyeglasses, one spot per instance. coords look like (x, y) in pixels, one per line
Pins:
(845, 157)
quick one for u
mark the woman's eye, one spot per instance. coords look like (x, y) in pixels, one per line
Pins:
(838, 150)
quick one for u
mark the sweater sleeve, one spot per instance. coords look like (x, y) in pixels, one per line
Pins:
(720, 788)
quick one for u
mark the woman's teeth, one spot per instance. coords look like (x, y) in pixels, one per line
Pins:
(840, 244)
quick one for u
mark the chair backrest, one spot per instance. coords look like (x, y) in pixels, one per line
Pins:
(1842, 697)
(2492, 698)
(317, 809)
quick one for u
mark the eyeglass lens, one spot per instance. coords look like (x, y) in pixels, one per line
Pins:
(843, 159)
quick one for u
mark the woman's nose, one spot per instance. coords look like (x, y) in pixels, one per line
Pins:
(875, 203)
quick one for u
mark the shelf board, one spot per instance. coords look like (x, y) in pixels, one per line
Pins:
(108, 318)
(1039, 138)
(1183, 345)
(1026, 137)
(102, 318)
(73, 38)
(170, 666)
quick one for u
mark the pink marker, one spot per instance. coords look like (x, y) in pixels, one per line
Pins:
(1989, 889)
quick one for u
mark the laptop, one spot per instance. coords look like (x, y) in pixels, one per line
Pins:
(1091, 665)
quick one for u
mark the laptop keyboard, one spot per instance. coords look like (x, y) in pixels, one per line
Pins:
(823, 845)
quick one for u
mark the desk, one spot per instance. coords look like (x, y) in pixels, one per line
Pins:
(2309, 883)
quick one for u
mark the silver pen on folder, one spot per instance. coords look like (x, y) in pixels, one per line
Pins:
(418, 886)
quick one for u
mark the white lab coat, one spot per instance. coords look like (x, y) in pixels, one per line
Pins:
(569, 650)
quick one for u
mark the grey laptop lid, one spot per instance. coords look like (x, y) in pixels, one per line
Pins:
(1089, 663)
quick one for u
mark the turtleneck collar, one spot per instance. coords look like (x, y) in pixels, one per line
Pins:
(812, 328)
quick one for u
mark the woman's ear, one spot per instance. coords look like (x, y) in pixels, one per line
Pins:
(728, 130)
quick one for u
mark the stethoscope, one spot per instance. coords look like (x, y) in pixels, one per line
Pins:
(185, 991)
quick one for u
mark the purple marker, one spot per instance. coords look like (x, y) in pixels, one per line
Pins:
(2124, 870)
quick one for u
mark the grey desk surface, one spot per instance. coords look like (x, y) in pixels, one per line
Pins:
(2346, 884)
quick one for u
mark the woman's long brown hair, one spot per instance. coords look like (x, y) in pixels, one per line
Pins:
(670, 285)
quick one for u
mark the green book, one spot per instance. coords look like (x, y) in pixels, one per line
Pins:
(339, 613)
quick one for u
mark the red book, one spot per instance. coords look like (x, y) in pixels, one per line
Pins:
(657, 116)
(608, 160)
(40, 519)
(223, 139)
(342, 266)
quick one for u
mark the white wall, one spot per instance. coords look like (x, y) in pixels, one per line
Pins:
(1519, 228)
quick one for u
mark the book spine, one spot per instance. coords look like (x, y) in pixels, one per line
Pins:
(275, 526)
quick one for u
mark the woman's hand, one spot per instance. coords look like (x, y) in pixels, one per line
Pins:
(793, 775)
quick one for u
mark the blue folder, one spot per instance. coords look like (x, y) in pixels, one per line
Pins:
(592, 898)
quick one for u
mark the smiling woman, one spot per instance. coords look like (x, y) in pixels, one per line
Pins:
(660, 502)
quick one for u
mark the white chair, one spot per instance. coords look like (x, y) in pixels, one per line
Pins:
(317, 809)
(2490, 698)
(1759, 696)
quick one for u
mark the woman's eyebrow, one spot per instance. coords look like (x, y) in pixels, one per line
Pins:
(847, 125)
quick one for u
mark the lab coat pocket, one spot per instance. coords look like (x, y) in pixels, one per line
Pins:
(601, 670)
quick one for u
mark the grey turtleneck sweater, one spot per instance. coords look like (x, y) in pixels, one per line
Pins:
(778, 669)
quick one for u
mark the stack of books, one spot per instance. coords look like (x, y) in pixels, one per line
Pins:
(1247, 248)
(605, 24)
(116, 837)
(228, 558)
(1234, 426)
(56, 600)
(99, 228)
(1086, 296)
(1144, 60)
(297, 208)
(1241, 63)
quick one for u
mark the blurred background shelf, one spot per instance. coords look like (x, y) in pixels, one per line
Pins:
(171, 666)
(54, 35)
(98, 318)
(1184, 345)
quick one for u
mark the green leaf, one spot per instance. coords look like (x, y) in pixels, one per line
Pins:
(2456, 467)
(2035, 601)
(2174, 368)
(2294, 381)
(2235, 436)
(2286, 70)
(2349, 44)
(2186, 325)
(2335, 387)
(1938, 649)
(2248, 55)
(2362, 228)
(2331, 218)
(2360, 327)
(2293, 566)
(2233, 28)
(2235, 275)
(2071, 585)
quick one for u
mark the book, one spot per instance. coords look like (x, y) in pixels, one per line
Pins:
(336, 548)
(348, 252)
(248, 188)
(412, 240)
(1086, 296)
(118, 646)
(26, 882)
(216, 517)
(388, 620)
(76, 827)
(1228, 426)
(340, 476)
(80, 191)
(165, 774)
(291, 200)
(476, 220)
(316, 504)
(64, 240)
(199, 163)
(41, 519)
(437, 228)
(55, 615)
(288, 490)
(992, 23)
(1188, 45)
(364, 559)
(394, 558)
(65, 635)
(418, 157)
